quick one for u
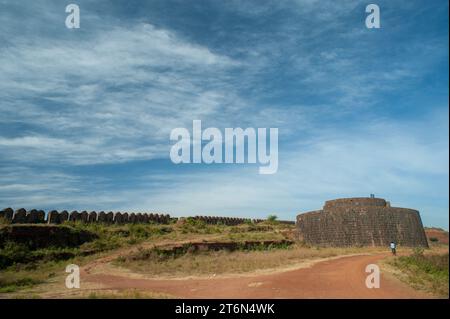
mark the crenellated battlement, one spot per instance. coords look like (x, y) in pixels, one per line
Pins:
(34, 216)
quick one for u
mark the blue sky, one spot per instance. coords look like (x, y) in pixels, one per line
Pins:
(87, 113)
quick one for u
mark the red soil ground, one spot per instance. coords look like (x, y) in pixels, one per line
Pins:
(336, 278)
(440, 234)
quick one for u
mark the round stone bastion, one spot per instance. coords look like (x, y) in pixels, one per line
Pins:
(363, 221)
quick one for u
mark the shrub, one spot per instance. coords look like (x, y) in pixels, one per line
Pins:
(102, 244)
(4, 221)
(12, 253)
(139, 231)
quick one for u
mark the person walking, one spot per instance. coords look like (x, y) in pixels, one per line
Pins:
(393, 248)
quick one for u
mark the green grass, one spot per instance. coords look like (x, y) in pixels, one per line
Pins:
(13, 284)
(426, 272)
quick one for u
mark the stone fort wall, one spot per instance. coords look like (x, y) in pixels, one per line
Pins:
(361, 222)
(235, 220)
(33, 216)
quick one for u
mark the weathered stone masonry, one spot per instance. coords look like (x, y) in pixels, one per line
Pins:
(22, 216)
(33, 216)
(361, 222)
(230, 221)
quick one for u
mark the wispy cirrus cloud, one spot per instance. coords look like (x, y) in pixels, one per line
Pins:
(107, 97)
(86, 115)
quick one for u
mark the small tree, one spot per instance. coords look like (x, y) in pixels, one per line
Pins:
(272, 218)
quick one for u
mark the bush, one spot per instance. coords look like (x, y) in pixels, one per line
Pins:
(139, 231)
(102, 244)
(4, 221)
(195, 222)
(12, 253)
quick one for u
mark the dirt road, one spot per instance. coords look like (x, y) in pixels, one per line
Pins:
(337, 278)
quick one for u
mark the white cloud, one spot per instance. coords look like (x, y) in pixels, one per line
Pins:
(111, 97)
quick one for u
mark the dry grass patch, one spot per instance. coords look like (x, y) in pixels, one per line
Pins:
(422, 270)
(225, 262)
(125, 294)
